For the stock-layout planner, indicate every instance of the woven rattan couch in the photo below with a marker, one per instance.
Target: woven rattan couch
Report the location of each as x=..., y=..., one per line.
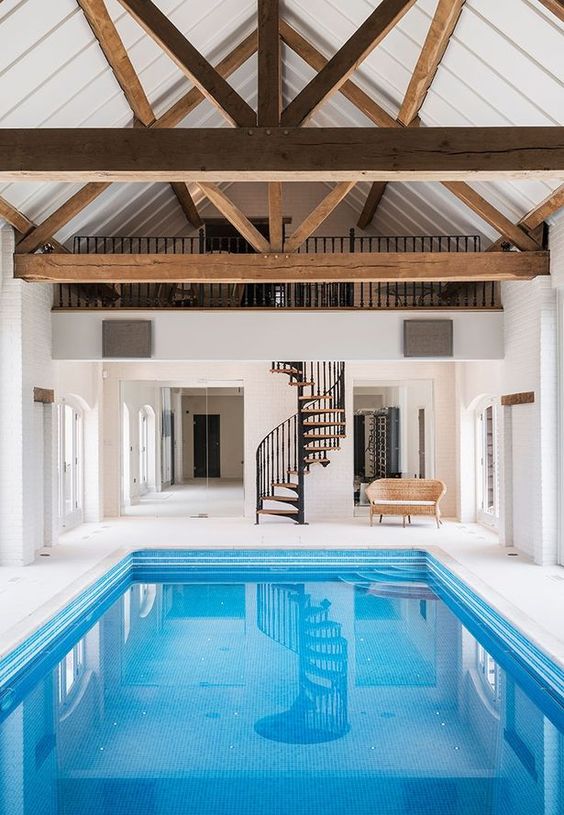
x=405, y=497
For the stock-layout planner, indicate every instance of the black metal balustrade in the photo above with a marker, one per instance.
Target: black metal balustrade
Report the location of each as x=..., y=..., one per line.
x=273, y=296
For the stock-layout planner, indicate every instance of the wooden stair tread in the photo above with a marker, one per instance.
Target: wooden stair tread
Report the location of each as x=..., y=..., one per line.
x=277, y=511
x=303, y=385
x=317, y=460
x=321, y=410
x=286, y=486
x=319, y=436
x=291, y=371
x=295, y=472
x=324, y=424
x=315, y=398
x=283, y=498
x=319, y=449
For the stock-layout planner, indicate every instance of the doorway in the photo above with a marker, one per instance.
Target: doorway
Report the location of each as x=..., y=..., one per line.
x=207, y=445
x=69, y=465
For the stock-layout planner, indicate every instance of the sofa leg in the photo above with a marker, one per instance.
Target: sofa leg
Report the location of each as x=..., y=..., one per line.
x=438, y=521
x=404, y=521
x=409, y=518
x=380, y=521
x=370, y=516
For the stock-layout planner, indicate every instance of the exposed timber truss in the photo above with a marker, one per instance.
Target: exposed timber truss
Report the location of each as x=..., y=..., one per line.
x=271, y=144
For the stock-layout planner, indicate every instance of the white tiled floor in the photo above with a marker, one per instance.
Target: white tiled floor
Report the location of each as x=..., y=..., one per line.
x=217, y=498
x=536, y=592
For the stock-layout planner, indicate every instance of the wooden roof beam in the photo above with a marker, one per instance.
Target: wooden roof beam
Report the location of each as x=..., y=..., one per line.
x=275, y=216
x=112, y=46
x=438, y=37
x=345, y=61
x=214, y=87
x=556, y=7
x=188, y=102
x=281, y=154
x=269, y=66
x=235, y=217
x=187, y=204
x=304, y=267
x=318, y=215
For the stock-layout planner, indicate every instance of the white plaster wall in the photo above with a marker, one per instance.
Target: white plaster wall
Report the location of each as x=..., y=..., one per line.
x=248, y=335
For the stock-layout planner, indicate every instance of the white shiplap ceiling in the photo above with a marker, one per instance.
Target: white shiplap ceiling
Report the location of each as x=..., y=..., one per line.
x=504, y=66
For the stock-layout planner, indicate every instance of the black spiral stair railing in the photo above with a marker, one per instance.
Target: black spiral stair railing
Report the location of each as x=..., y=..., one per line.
x=308, y=437
x=319, y=713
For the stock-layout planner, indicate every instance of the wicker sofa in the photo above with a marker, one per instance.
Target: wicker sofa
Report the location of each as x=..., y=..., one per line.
x=405, y=497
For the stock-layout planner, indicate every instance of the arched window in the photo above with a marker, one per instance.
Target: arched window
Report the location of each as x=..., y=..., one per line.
x=143, y=451
x=70, y=465
x=487, y=460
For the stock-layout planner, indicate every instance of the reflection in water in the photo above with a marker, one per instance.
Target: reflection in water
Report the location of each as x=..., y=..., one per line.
x=359, y=697
x=285, y=613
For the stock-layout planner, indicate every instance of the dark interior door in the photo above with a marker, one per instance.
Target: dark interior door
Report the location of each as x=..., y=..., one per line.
x=206, y=446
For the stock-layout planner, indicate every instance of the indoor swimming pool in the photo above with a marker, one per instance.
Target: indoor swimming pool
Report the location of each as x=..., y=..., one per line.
x=200, y=683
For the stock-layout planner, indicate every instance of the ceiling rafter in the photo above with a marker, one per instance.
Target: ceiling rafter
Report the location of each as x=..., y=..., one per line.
x=555, y=6
x=163, y=31
x=87, y=194
x=438, y=37
x=114, y=51
x=345, y=61
x=235, y=216
x=380, y=117
x=536, y=216
x=319, y=214
x=22, y=223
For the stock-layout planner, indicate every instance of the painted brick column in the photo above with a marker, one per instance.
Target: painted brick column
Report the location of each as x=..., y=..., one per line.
x=26, y=492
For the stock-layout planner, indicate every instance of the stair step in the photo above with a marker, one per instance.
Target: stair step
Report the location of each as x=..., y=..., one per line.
x=287, y=499
x=316, y=436
x=294, y=472
x=321, y=410
x=313, y=449
x=286, y=486
x=324, y=396
x=291, y=371
x=277, y=512
x=324, y=424
x=317, y=460
x=320, y=625
x=303, y=385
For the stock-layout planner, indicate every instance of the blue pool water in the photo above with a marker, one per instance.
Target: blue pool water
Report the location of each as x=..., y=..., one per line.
x=344, y=686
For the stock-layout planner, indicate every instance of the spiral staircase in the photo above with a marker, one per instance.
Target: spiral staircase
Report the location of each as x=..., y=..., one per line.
x=309, y=437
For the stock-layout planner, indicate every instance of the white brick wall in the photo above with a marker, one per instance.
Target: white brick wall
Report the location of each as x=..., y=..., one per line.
x=26, y=429
x=530, y=364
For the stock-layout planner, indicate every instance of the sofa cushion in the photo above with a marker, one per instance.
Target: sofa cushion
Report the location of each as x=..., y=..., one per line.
x=400, y=502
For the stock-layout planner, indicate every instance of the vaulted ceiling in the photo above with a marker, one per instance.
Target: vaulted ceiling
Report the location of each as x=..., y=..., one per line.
x=504, y=65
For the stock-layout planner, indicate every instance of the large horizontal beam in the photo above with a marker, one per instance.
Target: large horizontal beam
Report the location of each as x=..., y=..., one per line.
x=281, y=154
x=282, y=267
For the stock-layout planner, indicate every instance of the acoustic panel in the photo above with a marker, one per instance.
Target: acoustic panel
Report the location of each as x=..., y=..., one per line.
x=427, y=338
x=126, y=339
